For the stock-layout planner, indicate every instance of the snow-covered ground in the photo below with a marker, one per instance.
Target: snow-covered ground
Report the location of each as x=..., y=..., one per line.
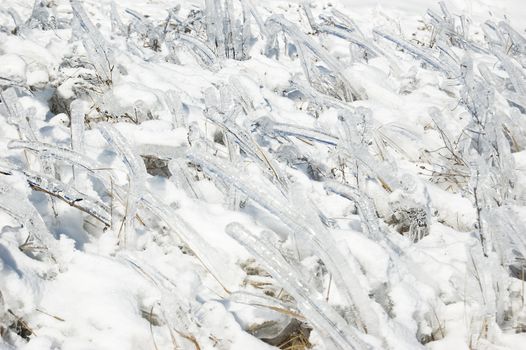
x=236, y=174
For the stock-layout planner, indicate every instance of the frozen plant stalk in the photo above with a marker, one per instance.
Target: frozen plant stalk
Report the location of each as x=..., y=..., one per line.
x=95, y=45
x=308, y=300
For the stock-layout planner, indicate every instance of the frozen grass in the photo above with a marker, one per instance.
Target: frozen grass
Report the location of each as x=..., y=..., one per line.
x=233, y=175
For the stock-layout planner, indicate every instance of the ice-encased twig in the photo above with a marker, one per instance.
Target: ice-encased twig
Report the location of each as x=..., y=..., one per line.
x=315, y=96
x=54, y=153
x=308, y=300
x=351, y=37
x=116, y=23
x=346, y=21
x=173, y=102
x=15, y=16
x=308, y=43
x=17, y=115
x=254, y=12
x=516, y=75
x=205, y=253
x=77, y=126
x=77, y=136
x=177, y=311
x=40, y=17
x=306, y=8
x=152, y=35
x=136, y=170
x=200, y=49
x=132, y=162
x=71, y=196
x=19, y=207
x=95, y=44
x=248, y=145
x=380, y=169
x=182, y=178
x=349, y=31
x=284, y=129
x=447, y=32
x=507, y=237
x=48, y=150
x=493, y=35
x=266, y=302
x=237, y=89
x=214, y=26
x=518, y=40
x=419, y=53
x=367, y=212
x=317, y=236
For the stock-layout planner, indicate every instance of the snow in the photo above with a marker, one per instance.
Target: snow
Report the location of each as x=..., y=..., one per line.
x=167, y=185
x=13, y=68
